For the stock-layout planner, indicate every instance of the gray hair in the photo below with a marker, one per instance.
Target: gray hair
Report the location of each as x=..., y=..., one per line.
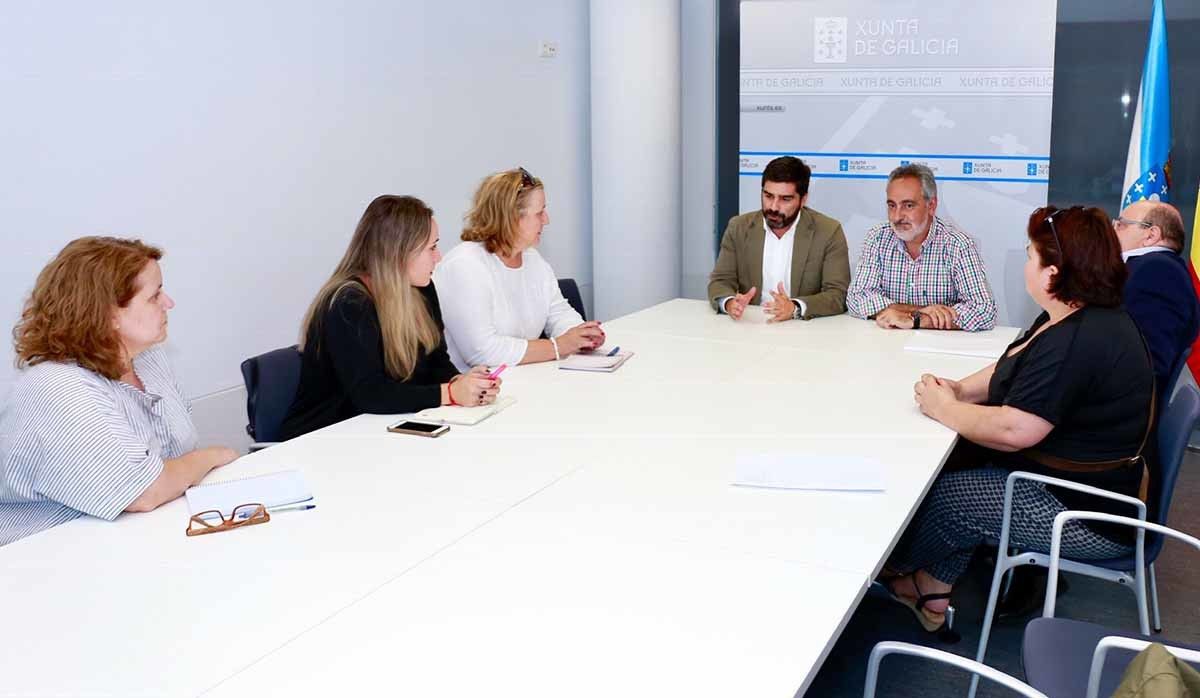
x=921, y=172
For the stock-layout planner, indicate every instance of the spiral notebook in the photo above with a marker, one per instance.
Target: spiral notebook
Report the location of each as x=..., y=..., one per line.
x=274, y=490
x=597, y=362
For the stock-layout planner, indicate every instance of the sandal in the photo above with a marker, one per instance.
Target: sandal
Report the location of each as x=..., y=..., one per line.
x=918, y=608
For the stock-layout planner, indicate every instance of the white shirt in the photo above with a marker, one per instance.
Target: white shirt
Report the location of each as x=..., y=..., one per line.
x=491, y=311
x=776, y=264
x=1139, y=251
x=777, y=258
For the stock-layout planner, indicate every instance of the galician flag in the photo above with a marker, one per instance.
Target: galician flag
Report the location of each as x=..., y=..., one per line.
x=1146, y=169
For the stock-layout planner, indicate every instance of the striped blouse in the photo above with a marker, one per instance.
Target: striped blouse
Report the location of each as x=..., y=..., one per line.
x=74, y=443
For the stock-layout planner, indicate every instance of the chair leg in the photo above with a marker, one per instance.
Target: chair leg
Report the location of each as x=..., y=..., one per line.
x=1003, y=565
x=1139, y=593
x=1154, y=611
x=1007, y=587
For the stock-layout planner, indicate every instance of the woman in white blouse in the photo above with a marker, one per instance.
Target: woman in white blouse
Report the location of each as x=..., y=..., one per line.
x=498, y=295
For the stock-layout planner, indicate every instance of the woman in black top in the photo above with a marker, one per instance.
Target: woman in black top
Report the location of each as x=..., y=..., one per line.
x=373, y=339
x=1075, y=387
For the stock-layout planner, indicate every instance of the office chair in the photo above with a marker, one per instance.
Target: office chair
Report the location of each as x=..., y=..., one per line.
x=271, y=382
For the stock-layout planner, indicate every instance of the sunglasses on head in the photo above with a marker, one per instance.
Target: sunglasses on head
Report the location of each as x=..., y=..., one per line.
x=1060, y=213
x=526, y=181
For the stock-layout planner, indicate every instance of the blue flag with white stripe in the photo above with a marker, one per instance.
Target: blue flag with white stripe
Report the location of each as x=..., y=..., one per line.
x=1146, y=169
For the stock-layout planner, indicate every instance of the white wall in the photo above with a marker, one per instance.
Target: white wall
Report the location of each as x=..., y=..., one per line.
x=246, y=139
x=635, y=132
x=698, y=80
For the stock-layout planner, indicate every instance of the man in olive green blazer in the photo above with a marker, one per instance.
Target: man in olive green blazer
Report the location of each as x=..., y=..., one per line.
x=801, y=271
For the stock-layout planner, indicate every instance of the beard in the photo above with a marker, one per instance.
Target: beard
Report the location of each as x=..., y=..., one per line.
x=912, y=230
x=776, y=219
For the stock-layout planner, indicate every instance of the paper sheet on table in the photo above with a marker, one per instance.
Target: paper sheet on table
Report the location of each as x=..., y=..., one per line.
x=798, y=471
x=989, y=344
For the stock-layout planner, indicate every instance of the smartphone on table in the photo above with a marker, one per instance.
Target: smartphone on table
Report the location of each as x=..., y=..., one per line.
x=418, y=428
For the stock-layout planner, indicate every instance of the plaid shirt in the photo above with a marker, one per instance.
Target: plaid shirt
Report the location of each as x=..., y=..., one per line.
x=948, y=271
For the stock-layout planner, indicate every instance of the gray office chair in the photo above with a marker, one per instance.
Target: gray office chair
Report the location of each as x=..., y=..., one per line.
x=1130, y=571
x=1064, y=657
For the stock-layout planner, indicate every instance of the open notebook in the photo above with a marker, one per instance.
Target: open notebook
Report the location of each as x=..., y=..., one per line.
x=467, y=416
x=596, y=361
x=273, y=490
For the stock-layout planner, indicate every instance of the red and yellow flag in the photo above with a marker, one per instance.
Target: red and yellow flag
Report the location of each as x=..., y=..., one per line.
x=1193, y=267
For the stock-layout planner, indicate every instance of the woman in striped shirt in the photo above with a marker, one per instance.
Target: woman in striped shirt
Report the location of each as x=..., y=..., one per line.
x=96, y=423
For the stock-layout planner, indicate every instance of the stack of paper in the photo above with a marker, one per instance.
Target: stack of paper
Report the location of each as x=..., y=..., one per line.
x=989, y=344
x=799, y=471
x=596, y=361
x=274, y=491
x=466, y=416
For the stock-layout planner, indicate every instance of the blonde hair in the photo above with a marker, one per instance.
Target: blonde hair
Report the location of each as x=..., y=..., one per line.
x=391, y=230
x=496, y=207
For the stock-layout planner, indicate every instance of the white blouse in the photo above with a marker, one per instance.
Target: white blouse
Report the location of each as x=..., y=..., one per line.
x=491, y=312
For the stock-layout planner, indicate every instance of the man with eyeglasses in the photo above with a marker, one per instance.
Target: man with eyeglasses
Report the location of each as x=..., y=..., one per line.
x=788, y=257
x=918, y=271
x=1158, y=292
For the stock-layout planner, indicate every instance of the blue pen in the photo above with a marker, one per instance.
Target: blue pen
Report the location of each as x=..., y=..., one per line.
x=614, y=351
x=299, y=506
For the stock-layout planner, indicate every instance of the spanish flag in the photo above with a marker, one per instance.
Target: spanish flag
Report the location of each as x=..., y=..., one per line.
x=1193, y=266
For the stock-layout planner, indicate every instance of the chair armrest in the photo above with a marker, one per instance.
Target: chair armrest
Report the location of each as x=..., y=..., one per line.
x=1071, y=485
x=1061, y=519
x=1016, y=475
x=883, y=649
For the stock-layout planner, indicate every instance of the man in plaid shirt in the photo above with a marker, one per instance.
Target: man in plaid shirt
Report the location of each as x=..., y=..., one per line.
x=918, y=271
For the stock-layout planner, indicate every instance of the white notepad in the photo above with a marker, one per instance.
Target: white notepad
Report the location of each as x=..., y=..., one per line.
x=594, y=362
x=989, y=344
x=273, y=490
x=466, y=416
x=798, y=471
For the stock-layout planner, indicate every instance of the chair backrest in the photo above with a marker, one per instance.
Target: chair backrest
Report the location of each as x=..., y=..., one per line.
x=1176, y=370
x=570, y=291
x=271, y=382
x=1174, y=429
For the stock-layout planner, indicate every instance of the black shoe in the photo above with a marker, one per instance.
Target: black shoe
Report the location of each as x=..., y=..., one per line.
x=1027, y=593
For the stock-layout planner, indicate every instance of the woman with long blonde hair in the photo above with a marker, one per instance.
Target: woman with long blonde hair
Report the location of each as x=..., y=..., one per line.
x=372, y=339
x=500, y=295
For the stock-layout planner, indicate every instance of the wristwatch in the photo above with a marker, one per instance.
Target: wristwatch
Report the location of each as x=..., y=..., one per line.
x=916, y=318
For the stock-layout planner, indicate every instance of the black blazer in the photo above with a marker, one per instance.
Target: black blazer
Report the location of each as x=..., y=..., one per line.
x=1160, y=298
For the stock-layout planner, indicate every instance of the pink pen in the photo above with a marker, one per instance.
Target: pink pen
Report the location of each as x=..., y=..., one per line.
x=497, y=372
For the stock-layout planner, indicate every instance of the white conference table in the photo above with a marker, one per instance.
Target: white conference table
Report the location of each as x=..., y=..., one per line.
x=587, y=540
